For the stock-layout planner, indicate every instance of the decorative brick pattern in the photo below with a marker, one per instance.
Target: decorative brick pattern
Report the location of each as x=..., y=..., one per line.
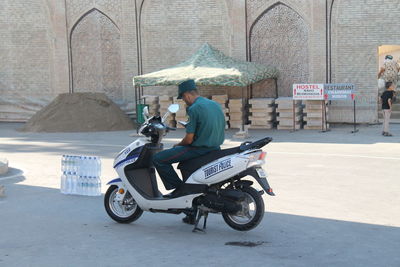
x=255, y=7
x=96, y=56
x=76, y=8
x=280, y=38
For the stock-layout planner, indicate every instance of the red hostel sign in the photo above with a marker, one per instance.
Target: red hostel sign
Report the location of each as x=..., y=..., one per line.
x=308, y=91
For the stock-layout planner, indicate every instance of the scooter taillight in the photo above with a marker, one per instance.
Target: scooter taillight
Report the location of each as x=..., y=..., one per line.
x=256, y=156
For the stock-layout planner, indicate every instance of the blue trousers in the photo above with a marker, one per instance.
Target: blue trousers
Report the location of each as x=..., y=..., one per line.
x=164, y=159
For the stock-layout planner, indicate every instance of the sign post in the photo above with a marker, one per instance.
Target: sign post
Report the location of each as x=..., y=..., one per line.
x=310, y=92
x=342, y=91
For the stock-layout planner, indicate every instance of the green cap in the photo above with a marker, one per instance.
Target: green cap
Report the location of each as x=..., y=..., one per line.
x=186, y=86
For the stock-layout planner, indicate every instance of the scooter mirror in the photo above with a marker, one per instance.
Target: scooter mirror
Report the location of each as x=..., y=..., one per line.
x=173, y=108
x=145, y=112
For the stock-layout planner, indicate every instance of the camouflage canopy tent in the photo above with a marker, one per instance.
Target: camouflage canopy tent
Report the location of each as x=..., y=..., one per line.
x=208, y=66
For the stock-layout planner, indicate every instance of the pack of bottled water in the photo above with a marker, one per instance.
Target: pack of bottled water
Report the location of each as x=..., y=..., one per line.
x=81, y=175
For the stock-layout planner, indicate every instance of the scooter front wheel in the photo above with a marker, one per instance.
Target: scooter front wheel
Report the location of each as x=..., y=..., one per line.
x=125, y=211
x=251, y=213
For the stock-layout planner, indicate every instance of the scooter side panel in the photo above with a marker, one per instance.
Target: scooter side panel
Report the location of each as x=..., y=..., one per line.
x=183, y=202
x=219, y=170
x=122, y=155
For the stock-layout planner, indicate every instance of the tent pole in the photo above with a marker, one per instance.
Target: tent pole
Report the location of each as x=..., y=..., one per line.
x=136, y=108
x=243, y=103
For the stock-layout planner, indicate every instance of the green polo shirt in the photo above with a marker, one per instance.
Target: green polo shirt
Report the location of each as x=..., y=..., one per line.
x=207, y=122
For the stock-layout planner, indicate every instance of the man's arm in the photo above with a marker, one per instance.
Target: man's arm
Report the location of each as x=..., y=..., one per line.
x=187, y=140
x=390, y=103
x=380, y=72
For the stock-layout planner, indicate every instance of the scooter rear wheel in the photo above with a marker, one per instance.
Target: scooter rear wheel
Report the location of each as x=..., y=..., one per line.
x=251, y=213
x=125, y=211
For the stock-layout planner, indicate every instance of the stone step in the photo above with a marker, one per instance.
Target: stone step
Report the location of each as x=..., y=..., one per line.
x=265, y=127
x=319, y=127
x=263, y=110
x=297, y=127
x=261, y=101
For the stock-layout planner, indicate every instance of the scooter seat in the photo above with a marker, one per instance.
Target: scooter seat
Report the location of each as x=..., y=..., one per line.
x=188, y=167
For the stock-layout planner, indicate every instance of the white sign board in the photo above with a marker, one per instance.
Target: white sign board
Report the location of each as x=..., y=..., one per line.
x=308, y=91
x=339, y=91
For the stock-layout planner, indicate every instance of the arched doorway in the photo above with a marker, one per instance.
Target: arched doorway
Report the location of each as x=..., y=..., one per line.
x=96, y=55
x=280, y=37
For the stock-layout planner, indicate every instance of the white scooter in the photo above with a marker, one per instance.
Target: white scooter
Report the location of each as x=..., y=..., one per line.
x=212, y=183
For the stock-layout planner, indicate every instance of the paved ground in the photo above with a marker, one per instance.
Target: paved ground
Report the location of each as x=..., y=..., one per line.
x=337, y=204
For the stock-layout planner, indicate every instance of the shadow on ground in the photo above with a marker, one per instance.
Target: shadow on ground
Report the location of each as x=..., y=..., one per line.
x=12, y=176
x=76, y=231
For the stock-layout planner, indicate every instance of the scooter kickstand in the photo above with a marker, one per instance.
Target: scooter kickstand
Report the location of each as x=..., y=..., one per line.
x=205, y=220
x=196, y=228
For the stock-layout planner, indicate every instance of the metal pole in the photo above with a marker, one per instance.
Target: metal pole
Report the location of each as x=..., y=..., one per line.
x=322, y=114
x=326, y=117
x=354, y=113
x=243, y=103
x=294, y=116
x=137, y=39
x=330, y=41
x=68, y=49
x=326, y=42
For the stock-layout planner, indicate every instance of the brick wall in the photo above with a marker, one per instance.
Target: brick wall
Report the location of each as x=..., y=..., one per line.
x=34, y=45
x=358, y=31
x=30, y=55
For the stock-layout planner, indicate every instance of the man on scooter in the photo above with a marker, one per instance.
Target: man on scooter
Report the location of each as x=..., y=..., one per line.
x=205, y=132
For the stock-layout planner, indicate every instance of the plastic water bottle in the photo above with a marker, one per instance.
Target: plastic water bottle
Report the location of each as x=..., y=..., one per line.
x=98, y=163
x=94, y=167
x=90, y=166
x=90, y=186
x=82, y=185
x=78, y=184
x=63, y=163
x=74, y=182
x=98, y=186
x=67, y=163
x=68, y=184
x=81, y=175
x=63, y=187
x=80, y=163
x=74, y=166
x=84, y=166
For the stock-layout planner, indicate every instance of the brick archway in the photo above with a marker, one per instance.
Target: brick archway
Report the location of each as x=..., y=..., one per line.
x=96, y=55
x=280, y=37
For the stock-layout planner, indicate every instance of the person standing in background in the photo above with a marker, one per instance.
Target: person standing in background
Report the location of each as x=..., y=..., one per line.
x=389, y=71
x=387, y=98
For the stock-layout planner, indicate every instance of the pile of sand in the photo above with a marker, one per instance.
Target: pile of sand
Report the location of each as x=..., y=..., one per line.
x=79, y=112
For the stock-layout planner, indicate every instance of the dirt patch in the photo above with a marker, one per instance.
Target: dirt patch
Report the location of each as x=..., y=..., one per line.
x=79, y=112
